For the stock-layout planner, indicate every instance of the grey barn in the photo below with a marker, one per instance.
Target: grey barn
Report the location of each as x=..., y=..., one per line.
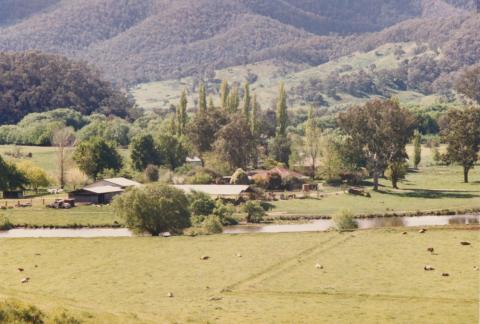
x=103, y=191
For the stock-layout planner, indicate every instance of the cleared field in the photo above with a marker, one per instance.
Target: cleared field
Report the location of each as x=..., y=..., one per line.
x=367, y=276
x=44, y=157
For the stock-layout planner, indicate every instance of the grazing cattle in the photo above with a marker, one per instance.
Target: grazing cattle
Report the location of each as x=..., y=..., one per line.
x=25, y=280
x=205, y=257
x=422, y=231
x=431, y=250
x=465, y=243
x=445, y=274
x=21, y=269
x=319, y=266
x=428, y=268
x=170, y=295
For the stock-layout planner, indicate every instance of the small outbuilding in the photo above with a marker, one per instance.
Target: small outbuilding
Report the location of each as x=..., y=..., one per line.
x=195, y=161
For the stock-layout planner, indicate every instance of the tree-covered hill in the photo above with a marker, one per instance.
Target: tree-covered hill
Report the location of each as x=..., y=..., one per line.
x=135, y=41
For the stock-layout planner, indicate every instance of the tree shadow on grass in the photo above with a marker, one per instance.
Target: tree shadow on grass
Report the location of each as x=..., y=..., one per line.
x=432, y=194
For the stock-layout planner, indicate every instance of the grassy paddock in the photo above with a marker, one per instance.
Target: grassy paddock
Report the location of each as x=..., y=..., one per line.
x=367, y=276
x=427, y=189
x=83, y=216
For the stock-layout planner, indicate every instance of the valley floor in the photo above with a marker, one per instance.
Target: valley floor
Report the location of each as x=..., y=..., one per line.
x=367, y=276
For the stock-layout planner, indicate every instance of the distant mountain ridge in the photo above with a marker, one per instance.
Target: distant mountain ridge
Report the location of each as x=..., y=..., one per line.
x=135, y=41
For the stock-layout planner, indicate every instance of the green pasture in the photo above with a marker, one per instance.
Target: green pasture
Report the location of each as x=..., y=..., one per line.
x=374, y=276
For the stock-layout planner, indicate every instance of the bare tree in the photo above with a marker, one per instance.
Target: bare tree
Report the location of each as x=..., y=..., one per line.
x=63, y=139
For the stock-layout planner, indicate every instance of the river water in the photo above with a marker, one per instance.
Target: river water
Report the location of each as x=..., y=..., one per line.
x=314, y=226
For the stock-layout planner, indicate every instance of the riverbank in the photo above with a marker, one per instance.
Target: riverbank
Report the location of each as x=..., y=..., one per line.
x=365, y=276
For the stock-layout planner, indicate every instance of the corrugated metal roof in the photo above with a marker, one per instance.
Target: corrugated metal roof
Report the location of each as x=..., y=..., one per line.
x=215, y=190
x=123, y=182
x=104, y=189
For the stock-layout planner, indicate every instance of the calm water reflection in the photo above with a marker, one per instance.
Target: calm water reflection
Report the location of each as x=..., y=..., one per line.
x=324, y=224
x=315, y=226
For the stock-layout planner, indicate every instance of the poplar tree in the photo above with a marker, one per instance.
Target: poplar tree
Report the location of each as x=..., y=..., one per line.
x=233, y=101
x=246, y=102
x=254, y=129
x=282, y=118
x=224, y=94
x=312, y=140
x=182, y=114
x=417, y=146
x=254, y=117
x=211, y=105
x=202, y=100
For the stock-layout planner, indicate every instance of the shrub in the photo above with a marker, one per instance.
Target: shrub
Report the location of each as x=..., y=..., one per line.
x=255, y=211
x=201, y=204
x=292, y=183
x=275, y=181
x=199, y=178
x=5, y=224
x=152, y=173
x=261, y=180
x=225, y=213
x=212, y=225
x=64, y=318
x=345, y=221
x=240, y=177
x=12, y=312
x=154, y=209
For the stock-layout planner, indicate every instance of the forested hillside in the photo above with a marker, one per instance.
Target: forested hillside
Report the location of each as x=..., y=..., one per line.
x=33, y=82
x=135, y=41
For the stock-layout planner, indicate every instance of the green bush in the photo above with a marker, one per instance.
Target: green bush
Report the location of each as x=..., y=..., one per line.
x=154, y=209
x=255, y=211
x=199, y=178
x=13, y=312
x=5, y=224
x=212, y=225
x=201, y=204
x=152, y=173
x=225, y=213
x=345, y=221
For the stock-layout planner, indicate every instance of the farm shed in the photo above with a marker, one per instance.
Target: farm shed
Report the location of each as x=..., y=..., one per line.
x=195, y=161
x=115, y=182
x=221, y=191
x=95, y=195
